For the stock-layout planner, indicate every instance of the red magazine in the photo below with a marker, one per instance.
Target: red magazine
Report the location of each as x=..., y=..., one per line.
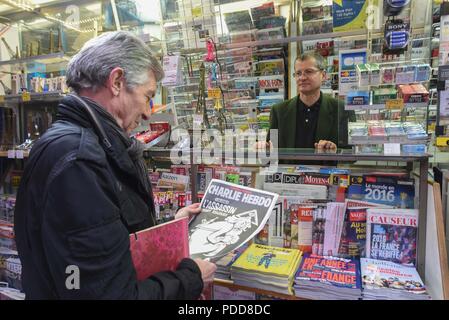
x=159, y=248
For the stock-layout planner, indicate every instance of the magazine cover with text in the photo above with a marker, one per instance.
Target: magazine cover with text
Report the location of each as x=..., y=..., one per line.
x=231, y=215
x=353, y=238
x=391, y=234
x=379, y=274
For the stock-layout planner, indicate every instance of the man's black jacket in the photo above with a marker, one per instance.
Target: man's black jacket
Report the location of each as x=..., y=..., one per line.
x=76, y=206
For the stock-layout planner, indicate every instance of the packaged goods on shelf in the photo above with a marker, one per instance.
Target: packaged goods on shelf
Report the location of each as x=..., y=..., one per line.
x=386, y=131
x=363, y=75
x=394, y=129
x=388, y=74
x=413, y=93
x=405, y=74
x=381, y=95
x=414, y=148
x=358, y=129
x=358, y=98
x=422, y=72
x=374, y=74
x=369, y=149
x=415, y=131
x=376, y=129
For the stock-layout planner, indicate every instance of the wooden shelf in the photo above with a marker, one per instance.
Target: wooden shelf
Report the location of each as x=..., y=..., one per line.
x=51, y=58
x=4, y=154
x=229, y=284
x=35, y=96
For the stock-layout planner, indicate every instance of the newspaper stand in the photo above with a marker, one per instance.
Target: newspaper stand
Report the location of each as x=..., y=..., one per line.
x=411, y=161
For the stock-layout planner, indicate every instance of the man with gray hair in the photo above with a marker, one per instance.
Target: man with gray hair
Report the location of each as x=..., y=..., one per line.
x=85, y=187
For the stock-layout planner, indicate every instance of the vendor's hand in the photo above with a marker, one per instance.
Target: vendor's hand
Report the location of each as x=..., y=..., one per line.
x=188, y=211
x=324, y=144
x=207, y=270
x=263, y=145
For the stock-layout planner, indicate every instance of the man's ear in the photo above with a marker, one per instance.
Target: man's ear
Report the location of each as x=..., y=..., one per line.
x=323, y=75
x=116, y=81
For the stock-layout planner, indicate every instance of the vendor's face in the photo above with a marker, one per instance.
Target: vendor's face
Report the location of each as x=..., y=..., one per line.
x=135, y=103
x=308, y=77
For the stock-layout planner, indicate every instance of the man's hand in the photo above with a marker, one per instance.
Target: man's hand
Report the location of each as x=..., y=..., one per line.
x=324, y=144
x=207, y=270
x=188, y=211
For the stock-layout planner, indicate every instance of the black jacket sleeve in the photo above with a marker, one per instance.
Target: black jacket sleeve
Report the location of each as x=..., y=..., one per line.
x=82, y=229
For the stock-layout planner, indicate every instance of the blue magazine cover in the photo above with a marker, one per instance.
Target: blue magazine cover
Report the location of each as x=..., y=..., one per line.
x=391, y=191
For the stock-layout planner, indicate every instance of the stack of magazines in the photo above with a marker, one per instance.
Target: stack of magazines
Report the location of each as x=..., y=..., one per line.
x=268, y=268
x=224, y=264
x=386, y=280
x=7, y=293
x=328, y=278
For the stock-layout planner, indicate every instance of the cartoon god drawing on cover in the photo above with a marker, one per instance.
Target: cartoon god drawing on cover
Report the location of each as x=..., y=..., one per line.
x=211, y=237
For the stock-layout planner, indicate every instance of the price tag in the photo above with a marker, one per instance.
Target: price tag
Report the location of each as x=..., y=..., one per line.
x=197, y=12
x=11, y=154
x=394, y=104
x=214, y=93
x=2, y=98
x=26, y=96
x=19, y=154
x=392, y=148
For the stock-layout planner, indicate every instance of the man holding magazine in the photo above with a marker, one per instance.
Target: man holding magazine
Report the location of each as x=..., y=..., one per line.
x=85, y=187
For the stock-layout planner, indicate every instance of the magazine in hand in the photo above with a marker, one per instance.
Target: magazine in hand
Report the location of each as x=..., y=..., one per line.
x=231, y=215
x=159, y=248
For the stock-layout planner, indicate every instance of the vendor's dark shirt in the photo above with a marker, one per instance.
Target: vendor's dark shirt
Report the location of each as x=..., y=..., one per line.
x=307, y=123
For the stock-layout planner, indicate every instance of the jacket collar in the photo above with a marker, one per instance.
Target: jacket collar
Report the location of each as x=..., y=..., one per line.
x=70, y=110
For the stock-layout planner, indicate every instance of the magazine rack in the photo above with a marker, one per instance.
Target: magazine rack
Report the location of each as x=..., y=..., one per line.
x=420, y=162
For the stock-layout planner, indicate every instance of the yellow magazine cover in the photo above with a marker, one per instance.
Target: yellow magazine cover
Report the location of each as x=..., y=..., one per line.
x=269, y=260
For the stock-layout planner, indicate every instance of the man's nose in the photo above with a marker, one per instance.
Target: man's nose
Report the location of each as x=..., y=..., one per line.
x=146, y=113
